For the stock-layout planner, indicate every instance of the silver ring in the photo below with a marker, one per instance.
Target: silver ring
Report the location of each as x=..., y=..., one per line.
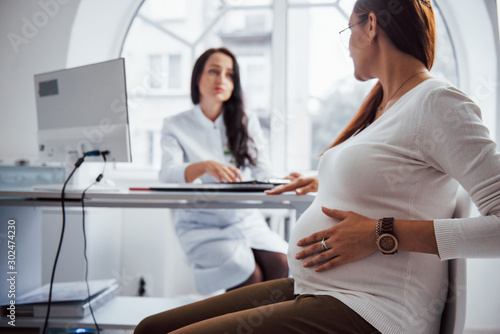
x=323, y=245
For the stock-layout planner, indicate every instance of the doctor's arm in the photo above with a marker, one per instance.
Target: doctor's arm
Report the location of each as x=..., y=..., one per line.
x=220, y=171
x=176, y=169
x=172, y=164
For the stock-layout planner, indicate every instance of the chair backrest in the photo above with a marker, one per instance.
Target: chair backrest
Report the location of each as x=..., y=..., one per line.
x=453, y=317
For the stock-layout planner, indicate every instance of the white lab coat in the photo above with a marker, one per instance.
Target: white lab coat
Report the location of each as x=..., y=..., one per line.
x=217, y=242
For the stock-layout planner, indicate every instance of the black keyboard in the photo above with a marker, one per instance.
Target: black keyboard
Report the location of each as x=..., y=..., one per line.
x=245, y=186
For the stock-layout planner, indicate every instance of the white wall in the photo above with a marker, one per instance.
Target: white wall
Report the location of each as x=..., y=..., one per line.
x=103, y=233
x=99, y=29
x=40, y=32
x=76, y=33
x=151, y=250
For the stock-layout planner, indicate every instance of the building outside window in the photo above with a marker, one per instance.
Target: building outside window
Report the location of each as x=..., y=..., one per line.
x=320, y=94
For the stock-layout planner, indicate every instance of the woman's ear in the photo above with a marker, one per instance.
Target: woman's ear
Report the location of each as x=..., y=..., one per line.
x=372, y=27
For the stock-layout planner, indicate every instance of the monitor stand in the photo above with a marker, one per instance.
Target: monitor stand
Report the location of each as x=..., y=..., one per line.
x=83, y=177
x=77, y=183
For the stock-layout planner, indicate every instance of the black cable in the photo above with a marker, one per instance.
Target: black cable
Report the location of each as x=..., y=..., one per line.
x=86, y=259
x=98, y=179
x=77, y=164
x=63, y=193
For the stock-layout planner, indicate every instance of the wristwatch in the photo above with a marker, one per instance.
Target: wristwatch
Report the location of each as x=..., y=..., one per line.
x=386, y=241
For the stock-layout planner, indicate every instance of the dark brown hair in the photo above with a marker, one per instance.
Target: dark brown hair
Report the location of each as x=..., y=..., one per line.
x=234, y=115
x=410, y=26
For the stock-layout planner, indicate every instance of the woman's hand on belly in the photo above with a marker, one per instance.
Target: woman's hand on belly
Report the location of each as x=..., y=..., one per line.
x=353, y=238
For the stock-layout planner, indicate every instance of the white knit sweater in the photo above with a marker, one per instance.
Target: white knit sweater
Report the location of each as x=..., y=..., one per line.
x=406, y=165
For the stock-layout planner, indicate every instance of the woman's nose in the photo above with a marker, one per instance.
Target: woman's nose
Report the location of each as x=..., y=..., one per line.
x=221, y=78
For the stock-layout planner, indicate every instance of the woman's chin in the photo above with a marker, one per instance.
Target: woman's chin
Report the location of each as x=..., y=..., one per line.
x=361, y=77
x=358, y=76
x=221, y=98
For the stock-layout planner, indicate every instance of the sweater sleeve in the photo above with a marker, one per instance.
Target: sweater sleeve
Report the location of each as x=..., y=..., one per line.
x=172, y=165
x=453, y=139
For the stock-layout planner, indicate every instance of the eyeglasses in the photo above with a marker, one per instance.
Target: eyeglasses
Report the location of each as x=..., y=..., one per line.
x=345, y=34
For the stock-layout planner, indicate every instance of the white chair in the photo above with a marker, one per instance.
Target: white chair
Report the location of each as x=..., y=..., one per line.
x=453, y=317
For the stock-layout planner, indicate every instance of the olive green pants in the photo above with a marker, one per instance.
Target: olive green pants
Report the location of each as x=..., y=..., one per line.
x=267, y=307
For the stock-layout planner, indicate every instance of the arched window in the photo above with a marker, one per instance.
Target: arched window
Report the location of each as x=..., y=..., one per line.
x=295, y=73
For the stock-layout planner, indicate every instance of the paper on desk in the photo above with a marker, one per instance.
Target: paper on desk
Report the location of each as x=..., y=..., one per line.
x=66, y=291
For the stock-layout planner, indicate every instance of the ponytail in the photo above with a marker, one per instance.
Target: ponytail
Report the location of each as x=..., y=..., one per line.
x=412, y=31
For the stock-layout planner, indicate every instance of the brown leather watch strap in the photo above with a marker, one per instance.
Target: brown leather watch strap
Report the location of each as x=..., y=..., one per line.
x=386, y=226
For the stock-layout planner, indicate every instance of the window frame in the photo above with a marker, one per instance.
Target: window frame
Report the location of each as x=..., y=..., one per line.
x=279, y=84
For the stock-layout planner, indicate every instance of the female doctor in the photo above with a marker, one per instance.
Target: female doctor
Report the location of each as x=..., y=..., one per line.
x=216, y=141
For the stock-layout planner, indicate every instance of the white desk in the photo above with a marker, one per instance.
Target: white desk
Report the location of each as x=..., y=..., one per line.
x=159, y=199
x=122, y=312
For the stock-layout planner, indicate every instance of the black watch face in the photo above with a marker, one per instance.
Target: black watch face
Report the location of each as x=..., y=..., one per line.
x=387, y=243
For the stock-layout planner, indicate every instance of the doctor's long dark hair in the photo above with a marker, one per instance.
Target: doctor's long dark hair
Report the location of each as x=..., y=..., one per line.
x=235, y=119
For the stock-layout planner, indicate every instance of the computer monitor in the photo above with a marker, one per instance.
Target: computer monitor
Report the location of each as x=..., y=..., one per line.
x=83, y=109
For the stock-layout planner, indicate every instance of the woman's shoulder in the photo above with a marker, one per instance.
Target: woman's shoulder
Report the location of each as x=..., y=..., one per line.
x=180, y=121
x=436, y=87
x=187, y=116
x=430, y=85
x=443, y=93
x=443, y=102
x=437, y=94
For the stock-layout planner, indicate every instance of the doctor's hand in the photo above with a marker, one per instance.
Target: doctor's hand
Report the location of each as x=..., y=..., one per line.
x=300, y=184
x=222, y=172
x=353, y=238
